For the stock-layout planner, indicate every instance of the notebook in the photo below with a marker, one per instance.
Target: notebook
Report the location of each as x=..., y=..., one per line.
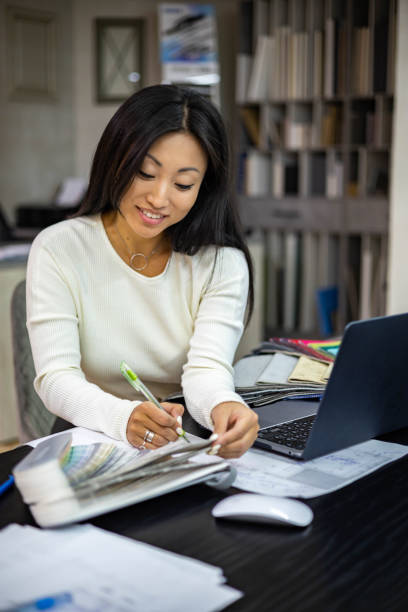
x=366, y=395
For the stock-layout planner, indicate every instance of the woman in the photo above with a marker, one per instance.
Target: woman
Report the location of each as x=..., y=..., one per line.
x=153, y=271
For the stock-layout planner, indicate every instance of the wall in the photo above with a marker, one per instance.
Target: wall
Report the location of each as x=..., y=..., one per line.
x=36, y=144
x=43, y=142
x=397, y=297
x=91, y=118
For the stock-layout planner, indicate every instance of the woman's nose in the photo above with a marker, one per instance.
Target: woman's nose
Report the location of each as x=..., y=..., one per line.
x=157, y=194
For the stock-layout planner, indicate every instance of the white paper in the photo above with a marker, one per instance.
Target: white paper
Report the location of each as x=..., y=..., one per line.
x=104, y=571
x=262, y=472
x=82, y=435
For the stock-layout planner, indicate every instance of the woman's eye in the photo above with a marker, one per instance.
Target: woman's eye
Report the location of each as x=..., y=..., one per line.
x=145, y=175
x=183, y=187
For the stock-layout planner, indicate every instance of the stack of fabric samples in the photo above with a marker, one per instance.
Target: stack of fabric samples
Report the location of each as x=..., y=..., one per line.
x=284, y=368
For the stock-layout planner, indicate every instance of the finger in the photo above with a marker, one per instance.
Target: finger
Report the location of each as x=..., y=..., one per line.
x=138, y=435
x=166, y=433
x=220, y=421
x=162, y=417
x=238, y=448
x=175, y=410
x=146, y=416
x=237, y=428
x=138, y=442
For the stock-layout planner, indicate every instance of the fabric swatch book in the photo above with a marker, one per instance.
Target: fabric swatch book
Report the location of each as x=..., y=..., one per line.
x=63, y=483
x=284, y=368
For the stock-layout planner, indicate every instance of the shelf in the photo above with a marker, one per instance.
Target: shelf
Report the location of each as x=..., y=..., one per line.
x=314, y=130
x=340, y=216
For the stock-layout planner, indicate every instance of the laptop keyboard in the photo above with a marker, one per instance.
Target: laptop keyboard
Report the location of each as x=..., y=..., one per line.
x=293, y=434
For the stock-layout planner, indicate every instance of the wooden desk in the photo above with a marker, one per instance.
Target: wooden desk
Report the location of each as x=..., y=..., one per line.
x=354, y=556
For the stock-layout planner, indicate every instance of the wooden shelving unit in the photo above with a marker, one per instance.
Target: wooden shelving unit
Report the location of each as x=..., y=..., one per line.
x=314, y=103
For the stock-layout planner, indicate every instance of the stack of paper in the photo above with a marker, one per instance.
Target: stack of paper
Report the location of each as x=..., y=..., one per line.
x=283, y=368
x=93, y=570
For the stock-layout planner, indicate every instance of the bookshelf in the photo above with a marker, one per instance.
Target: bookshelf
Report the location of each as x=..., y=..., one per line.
x=314, y=106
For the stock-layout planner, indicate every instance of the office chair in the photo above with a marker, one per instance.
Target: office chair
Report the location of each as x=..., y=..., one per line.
x=34, y=419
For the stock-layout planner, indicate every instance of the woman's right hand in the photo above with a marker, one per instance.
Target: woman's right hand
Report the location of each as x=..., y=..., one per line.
x=163, y=424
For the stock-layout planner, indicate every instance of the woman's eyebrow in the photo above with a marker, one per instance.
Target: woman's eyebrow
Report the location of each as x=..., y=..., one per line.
x=187, y=169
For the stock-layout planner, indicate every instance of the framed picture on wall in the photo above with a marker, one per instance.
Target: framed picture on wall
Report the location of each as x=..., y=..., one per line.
x=119, y=58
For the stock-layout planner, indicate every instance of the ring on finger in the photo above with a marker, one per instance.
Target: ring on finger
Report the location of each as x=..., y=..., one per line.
x=148, y=437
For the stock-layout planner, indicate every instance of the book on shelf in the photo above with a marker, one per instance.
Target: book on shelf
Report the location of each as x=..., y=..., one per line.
x=308, y=282
x=334, y=175
x=341, y=83
x=298, y=126
x=317, y=88
x=328, y=259
x=250, y=119
x=329, y=58
x=331, y=125
x=258, y=79
x=243, y=72
x=353, y=276
x=63, y=484
x=285, y=173
x=274, y=279
x=366, y=278
x=318, y=173
x=271, y=126
x=372, y=273
x=304, y=174
x=257, y=173
x=291, y=280
x=361, y=82
x=277, y=174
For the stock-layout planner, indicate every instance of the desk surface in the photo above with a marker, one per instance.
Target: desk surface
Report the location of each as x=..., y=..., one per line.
x=354, y=556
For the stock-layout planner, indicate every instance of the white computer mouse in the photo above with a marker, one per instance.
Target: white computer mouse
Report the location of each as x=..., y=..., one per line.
x=264, y=509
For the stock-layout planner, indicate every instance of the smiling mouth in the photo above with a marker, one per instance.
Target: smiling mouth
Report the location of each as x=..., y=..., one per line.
x=150, y=214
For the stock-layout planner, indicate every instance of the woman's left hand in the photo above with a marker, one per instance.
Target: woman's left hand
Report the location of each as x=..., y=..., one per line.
x=236, y=426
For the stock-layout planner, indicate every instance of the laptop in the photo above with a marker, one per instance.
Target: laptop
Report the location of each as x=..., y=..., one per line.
x=366, y=395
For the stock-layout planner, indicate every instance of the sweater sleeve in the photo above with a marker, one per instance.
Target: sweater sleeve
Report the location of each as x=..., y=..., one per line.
x=52, y=321
x=207, y=378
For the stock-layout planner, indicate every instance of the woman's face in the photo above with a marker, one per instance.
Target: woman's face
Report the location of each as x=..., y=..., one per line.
x=167, y=185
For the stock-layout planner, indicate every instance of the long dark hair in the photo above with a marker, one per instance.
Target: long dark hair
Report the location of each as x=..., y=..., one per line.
x=136, y=125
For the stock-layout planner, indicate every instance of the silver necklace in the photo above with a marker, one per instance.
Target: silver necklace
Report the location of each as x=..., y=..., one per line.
x=134, y=257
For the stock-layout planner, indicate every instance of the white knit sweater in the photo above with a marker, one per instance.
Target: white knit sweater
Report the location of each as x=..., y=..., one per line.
x=87, y=311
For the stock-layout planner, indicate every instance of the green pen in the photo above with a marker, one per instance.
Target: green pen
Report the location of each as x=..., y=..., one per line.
x=137, y=384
